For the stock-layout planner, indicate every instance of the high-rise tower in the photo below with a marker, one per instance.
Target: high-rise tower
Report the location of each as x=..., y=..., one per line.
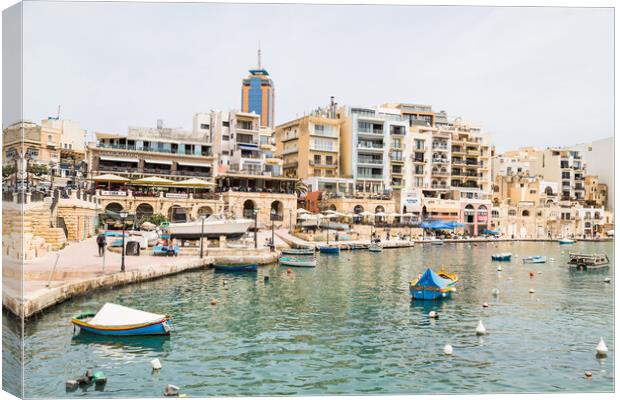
x=257, y=94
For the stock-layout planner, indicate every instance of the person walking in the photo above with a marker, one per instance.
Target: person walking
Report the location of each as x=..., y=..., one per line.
x=101, y=242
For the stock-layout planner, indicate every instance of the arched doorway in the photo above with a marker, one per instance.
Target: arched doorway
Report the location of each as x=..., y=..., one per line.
x=549, y=191
x=177, y=213
x=248, y=209
x=469, y=214
x=114, y=207
x=332, y=207
x=144, y=211
x=525, y=213
x=277, y=210
x=358, y=209
x=379, y=218
x=204, y=212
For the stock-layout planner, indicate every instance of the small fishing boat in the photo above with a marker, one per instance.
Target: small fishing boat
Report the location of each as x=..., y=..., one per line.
x=375, y=247
x=302, y=251
x=329, y=249
x=116, y=320
x=535, y=260
x=235, y=267
x=432, y=286
x=588, y=261
x=566, y=241
x=501, y=257
x=297, y=262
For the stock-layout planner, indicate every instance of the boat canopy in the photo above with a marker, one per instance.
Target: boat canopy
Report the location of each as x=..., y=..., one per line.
x=116, y=315
x=430, y=278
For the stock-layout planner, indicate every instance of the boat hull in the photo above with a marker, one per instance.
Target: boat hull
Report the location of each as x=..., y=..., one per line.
x=158, y=328
x=193, y=230
x=329, y=250
x=566, y=241
x=430, y=294
x=298, y=252
x=501, y=258
x=298, y=263
x=236, y=268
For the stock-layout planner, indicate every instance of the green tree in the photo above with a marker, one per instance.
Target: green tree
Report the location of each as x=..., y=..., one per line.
x=37, y=169
x=157, y=219
x=300, y=188
x=8, y=170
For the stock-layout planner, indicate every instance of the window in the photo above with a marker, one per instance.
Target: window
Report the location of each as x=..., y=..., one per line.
x=32, y=153
x=317, y=159
x=225, y=123
x=11, y=154
x=204, y=126
x=319, y=128
x=532, y=191
x=329, y=160
x=225, y=137
x=323, y=144
x=49, y=138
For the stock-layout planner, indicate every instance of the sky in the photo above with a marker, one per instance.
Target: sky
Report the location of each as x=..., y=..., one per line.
x=529, y=76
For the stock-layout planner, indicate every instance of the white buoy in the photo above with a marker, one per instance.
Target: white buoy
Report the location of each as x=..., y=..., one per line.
x=480, y=329
x=601, y=349
x=607, y=280
x=156, y=364
x=499, y=268
x=538, y=300
x=532, y=290
x=447, y=350
x=539, y=272
x=433, y=314
x=495, y=292
x=171, y=390
x=551, y=259
x=453, y=289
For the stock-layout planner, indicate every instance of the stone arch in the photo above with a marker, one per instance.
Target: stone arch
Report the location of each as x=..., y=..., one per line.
x=248, y=209
x=278, y=207
x=177, y=213
x=548, y=191
x=512, y=213
x=114, y=207
x=597, y=215
x=358, y=209
x=525, y=213
x=205, y=211
x=144, y=210
x=332, y=207
x=379, y=209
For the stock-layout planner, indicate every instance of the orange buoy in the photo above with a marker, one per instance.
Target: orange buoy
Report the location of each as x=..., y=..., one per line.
x=485, y=305
x=213, y=302
x=289, y=271
x=588, y=374
x=531, y=274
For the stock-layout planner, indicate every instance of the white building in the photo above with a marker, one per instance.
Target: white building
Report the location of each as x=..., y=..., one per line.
x=598, y=157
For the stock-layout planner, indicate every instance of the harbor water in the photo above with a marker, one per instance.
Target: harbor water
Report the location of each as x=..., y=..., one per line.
x=348, y=326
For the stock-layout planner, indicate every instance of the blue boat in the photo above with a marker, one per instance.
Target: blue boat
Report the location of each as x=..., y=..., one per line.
x=535, y=260
x=433, y=286
x=566, y=241
x=501, y=257
x=241, y=267
x=329, y=249
x=117, y=320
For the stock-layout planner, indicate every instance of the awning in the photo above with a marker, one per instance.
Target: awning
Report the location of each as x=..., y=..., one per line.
x=153, y=181
x=195, y=182
x=442, y=208
x=119, y=159
x=248, y=147
x=193, y=164
x=163, y=162
x=110, y=178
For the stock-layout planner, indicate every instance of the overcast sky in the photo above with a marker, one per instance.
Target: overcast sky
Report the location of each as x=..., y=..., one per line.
x=531, y=76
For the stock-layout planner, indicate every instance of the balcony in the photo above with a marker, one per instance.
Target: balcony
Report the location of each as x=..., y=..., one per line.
x=290, y=150
x=149, y=149
x=365, y=160
x=440, y=161
x=370, y=147
x=418, y=160
x=370, y=176
x=294, y=164
x=323, y=164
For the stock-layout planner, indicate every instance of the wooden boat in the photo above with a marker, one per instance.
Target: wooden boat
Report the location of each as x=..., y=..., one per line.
x=501, y=257
x=566, y=241
x=297, y=262
x=432, y=286
x=236, y=267
x=304, y=251
x=535, y=260
x=588, y=261
x=116, y=320
x=329, y=249
x=374, y=247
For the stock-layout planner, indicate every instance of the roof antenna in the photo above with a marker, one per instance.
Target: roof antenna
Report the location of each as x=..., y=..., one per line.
x=259, y=63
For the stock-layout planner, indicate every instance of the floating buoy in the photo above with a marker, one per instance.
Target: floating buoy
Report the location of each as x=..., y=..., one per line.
x=171, y=390
x=480, y=329
x=266, y=278
x=447, y=350
x=100, y=378
x=289, y=271
x=601, y=349
x=225, y=282
x=156, y=364
x=89, y=374
x=588, y=374
x=539, y=272
x=485, y=305
x=499, y=268
x=552, y=259
x=495, y=291
x=531, y=274
x=433, y=314
x=532, y=290
x=71, y=385
x=607, y=280
x=213, y=302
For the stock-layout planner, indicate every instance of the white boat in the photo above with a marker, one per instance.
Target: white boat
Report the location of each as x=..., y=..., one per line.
x=297, y=262
x=215, y=226
x=374, y=247
x=432, y=240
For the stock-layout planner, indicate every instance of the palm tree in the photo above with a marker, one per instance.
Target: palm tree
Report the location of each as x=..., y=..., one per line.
x=300, y=188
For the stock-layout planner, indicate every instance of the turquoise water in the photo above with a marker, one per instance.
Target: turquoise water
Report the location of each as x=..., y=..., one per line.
x=347, y=327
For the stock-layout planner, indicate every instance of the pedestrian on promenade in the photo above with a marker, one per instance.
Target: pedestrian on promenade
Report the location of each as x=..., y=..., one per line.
x=101, y=242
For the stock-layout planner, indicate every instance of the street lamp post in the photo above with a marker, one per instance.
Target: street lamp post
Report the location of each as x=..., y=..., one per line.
x=123, y=215
x=290, y=221
x=255, y=212
x=202, y=233
x=273, y=217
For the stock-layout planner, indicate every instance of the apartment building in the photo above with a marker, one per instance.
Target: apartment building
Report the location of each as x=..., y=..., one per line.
x=564, y=166
x=596, y=192
x=598, y=156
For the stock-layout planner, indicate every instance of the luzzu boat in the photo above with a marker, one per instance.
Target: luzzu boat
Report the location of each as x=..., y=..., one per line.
x=374, y=247
x=535, y=260
x=116, y=320
x=501, y=257
x=303, y=251
x=329, y=249
x=432, y=286
x=236, y=267
x=297, y=262
x=566, y=241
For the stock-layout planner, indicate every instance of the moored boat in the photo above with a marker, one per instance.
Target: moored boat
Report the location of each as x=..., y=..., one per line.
x=501, y=257
x=329, y=249
x=235, y=267
x=432, y=285
x=116, y=320
x=297, y=262
x=375, y=247
x=213, y=227
x=566, y=241
x=302, y=251
x=535, y=260
x=588, y=261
